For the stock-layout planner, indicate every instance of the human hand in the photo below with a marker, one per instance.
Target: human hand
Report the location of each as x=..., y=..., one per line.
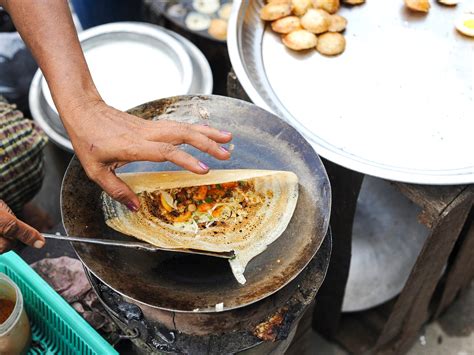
x=105, y=138
x=12, y=229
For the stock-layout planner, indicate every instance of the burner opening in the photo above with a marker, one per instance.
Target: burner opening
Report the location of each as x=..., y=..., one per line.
x=196, y=270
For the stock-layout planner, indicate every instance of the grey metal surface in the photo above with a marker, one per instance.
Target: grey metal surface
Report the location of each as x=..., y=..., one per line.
x=195, y=77
x=386, y=240
x=397, y=104
x=131, y=244
x=195, y=282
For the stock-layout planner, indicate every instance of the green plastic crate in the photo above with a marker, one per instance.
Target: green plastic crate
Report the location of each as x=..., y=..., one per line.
x=56, y=327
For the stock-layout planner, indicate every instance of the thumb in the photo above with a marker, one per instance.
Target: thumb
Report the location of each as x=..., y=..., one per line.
x=12, y=228
x=118, y=190
x=29, y=236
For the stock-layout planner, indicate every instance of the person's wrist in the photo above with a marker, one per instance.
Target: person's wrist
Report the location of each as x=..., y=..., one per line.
x=74, y=104
x=78, y=116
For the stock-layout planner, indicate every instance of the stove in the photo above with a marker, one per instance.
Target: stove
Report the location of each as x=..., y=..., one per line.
x=264, y=327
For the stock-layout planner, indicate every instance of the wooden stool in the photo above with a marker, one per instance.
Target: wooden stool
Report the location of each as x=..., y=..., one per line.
x=393, y=327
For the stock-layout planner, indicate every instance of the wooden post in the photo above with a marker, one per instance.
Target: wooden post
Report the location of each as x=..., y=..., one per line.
x=461, y=272
x=345, y=186
x=411, y=309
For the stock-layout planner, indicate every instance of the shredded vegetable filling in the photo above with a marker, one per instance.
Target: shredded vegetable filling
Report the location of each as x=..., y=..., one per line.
x=205, y=206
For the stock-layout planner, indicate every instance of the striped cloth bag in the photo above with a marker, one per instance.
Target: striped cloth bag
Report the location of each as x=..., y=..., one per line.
x=21, y=157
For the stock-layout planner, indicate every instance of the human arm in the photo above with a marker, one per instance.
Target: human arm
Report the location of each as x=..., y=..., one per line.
x=103, y=137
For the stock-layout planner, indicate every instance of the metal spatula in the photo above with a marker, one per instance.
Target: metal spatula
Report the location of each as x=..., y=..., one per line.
x=134, y=245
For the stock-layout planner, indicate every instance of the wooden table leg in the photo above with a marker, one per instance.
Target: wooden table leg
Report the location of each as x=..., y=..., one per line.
x=461, y=272
x=411, y=309
x=345, y=185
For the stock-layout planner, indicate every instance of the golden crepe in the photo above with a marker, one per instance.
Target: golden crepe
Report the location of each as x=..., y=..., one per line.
x=240, y=211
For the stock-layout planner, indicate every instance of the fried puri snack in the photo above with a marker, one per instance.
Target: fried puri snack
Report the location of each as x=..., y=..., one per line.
x=337, y=23
x=330, y=6
x=449, y=2
x=218, y=29
x=418, y=5
x=300, y=6
x=288, y=2
x=353, y=2
x=286, y=24
x=300, y=40
x=316, y=21
x=331, y=43
x=271, y=12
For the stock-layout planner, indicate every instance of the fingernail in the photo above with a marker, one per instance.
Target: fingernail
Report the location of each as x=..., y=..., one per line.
x=224, y=149
x=227, y=133
x=131, y=206
x=38, y=244
x=203, y=166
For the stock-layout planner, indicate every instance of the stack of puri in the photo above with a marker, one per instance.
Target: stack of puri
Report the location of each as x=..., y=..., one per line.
x=306, y=24
x=208, y=15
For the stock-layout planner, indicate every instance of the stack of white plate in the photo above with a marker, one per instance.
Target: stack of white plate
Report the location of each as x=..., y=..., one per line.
x=131, y=63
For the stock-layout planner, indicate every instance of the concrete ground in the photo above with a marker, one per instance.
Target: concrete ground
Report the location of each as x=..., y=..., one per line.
x=452, y=334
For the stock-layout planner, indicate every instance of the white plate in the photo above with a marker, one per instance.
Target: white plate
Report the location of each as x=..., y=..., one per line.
x=397, y=104
x=132, y=64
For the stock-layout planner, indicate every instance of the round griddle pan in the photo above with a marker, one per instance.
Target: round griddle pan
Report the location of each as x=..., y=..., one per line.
x=187, y=283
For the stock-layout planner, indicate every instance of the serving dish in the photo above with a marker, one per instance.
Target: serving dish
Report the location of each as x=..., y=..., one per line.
x=397, y=104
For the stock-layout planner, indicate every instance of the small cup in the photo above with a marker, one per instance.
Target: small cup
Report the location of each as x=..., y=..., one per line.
x=15, y=332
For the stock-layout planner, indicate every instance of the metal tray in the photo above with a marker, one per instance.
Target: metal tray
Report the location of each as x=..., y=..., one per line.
x=180, y=55
x=397, y=104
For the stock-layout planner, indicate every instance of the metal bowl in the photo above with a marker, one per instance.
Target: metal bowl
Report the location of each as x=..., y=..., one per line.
x=155, y=55
x=386, y=240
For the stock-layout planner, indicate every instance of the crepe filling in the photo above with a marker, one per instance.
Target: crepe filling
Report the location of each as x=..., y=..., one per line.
x=201, y=207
